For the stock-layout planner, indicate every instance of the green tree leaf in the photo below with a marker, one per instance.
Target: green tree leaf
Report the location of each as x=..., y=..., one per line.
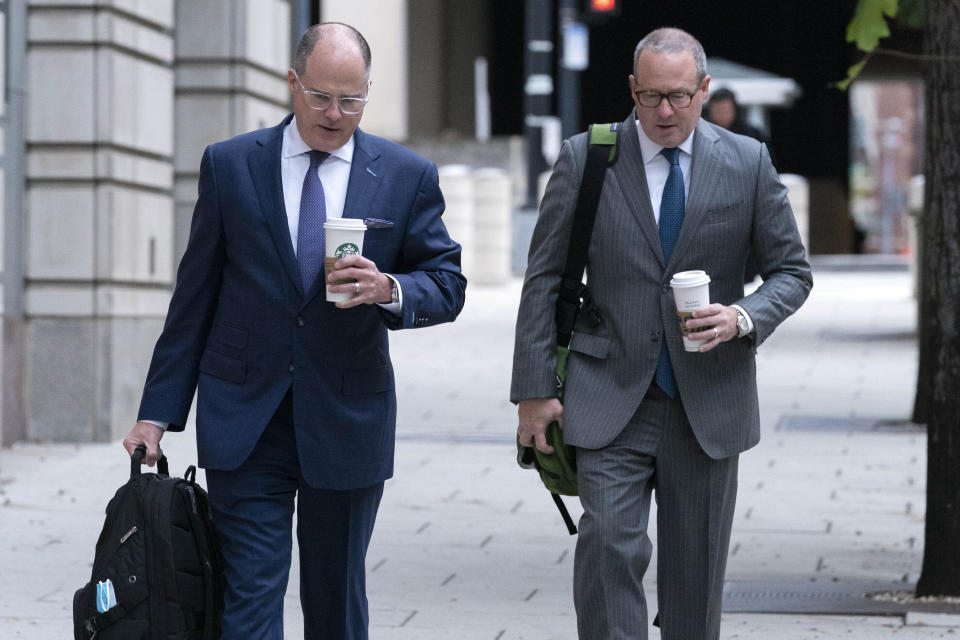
x=852, y=74
x=869, y=24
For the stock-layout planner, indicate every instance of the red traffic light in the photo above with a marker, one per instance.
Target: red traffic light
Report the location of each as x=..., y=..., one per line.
x=603, y=6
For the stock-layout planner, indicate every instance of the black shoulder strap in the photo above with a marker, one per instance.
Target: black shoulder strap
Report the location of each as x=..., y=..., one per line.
x=567, y=520
x=601, y=153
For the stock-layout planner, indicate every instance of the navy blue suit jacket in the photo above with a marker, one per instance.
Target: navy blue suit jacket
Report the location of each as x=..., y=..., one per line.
x=240, y=330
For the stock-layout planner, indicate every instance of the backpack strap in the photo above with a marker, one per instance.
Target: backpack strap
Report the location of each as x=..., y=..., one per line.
x=601, y=153
x=206, y=549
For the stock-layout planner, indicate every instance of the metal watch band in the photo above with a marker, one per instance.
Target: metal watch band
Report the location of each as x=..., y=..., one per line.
x=742, y=325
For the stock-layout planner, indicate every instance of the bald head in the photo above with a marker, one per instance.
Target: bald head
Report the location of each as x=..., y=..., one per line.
x=333, y=33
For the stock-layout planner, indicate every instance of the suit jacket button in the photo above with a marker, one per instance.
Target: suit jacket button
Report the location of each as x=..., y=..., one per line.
x=300, y=322
x=292, y=368
x=654, y=336
x=665, y=288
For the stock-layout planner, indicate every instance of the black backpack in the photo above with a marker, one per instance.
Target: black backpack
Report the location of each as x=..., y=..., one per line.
x=157, y=571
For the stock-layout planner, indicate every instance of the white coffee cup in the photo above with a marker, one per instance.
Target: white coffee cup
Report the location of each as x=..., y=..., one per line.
x=344, y=237
x=691, y=290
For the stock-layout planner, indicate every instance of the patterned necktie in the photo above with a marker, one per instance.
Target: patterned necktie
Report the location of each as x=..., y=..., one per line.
x=671, y=219
x=313, y=213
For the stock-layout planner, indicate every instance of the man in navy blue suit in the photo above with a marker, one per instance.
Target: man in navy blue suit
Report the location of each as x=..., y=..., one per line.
x=296, y=402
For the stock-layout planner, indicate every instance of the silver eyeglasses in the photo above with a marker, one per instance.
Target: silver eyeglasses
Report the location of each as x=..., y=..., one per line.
x=321, y=101
x=677, y=99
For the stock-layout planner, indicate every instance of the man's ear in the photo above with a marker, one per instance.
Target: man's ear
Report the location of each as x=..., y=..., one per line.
x=705, y=86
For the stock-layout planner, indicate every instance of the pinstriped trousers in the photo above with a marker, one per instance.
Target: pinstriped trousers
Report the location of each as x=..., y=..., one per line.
x=655, y=453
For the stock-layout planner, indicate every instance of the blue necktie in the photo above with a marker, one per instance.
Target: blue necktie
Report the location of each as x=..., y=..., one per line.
x=313, y=213
x=671, y=219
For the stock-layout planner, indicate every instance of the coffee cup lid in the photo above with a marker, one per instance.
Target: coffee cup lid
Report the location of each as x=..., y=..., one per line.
x=344, y=223
x=689, y=279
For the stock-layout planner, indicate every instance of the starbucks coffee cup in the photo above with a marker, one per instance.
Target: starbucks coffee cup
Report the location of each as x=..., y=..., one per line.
x=344, y=237
x=691, y=290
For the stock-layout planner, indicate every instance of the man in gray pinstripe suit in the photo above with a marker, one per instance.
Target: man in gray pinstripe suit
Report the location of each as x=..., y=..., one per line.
x=644, y=414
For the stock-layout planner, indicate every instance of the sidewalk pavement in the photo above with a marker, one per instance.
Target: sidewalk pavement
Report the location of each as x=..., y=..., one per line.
x=469, y=546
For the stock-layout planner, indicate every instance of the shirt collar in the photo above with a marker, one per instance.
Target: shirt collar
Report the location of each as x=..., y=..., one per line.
x=650, y=149
x=293, y=144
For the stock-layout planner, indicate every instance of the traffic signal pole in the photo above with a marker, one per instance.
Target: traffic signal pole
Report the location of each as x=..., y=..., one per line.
x=538, y=87
x=569, y=91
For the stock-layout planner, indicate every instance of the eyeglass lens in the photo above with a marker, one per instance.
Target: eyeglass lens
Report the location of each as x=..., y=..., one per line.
x=677, y=99
x=323, y=101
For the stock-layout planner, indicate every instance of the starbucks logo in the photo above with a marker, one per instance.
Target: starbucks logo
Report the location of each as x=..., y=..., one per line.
x=346, y=249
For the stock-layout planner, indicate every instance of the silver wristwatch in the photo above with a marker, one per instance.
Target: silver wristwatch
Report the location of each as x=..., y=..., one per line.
x=742, y=326
x=394, y=293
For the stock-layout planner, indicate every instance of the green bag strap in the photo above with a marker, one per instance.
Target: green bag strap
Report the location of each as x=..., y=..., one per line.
x=601, y=153
x=605, y=134
x=573, y=295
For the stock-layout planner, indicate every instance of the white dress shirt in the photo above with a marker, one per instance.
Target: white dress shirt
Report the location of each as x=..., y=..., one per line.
x=657, y=169
x=334, y=174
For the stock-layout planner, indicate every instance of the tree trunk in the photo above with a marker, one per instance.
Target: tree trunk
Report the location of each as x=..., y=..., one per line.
x=940, y=300
x=924, y=394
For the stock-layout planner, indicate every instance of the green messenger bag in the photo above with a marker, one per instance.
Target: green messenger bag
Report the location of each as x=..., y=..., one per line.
x=558, y=470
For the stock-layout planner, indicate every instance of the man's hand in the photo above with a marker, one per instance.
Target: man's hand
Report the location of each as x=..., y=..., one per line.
x=374, y=287
x=147, y=434
x=712, y=325
x=535, y=414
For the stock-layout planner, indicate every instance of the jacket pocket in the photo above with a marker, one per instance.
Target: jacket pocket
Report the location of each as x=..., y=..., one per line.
x=590, y=345
x=372, y=380
x=723, y=213
x=221, y=366
x=230, y=335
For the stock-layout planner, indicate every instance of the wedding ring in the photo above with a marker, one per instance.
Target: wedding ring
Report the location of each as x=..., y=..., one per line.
x=716, y=334
x=356, y=288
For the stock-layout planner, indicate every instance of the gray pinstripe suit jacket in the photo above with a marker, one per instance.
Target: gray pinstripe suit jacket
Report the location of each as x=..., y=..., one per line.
x=736, y=201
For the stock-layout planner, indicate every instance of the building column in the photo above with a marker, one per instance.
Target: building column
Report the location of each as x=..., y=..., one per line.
x=12, y=50
x=98, y=211
x=232, y=58
x=384, y=25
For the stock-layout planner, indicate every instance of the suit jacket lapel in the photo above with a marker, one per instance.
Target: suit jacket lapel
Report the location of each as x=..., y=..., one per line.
x=365, y=176
x=705, y=171
x=264, y=163
x=632, y=179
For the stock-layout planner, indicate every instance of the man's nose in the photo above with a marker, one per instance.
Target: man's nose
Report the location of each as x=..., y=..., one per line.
x=333, y=111
x=665, y=109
